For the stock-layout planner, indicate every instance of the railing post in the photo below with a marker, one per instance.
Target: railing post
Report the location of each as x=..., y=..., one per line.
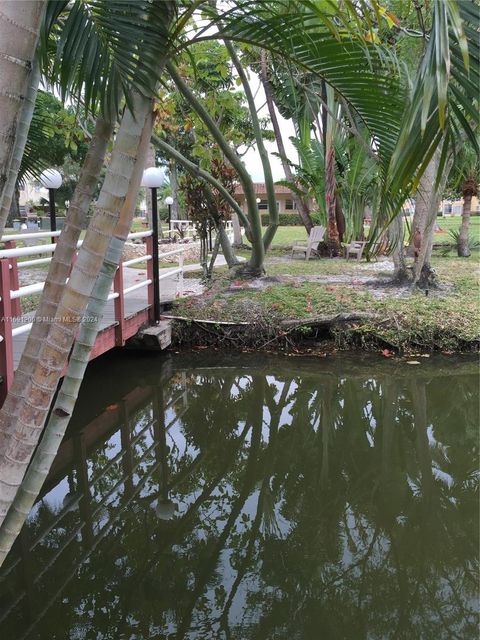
x=119, y=305
x=6, y=343
x=14, y=281
x=150, y=276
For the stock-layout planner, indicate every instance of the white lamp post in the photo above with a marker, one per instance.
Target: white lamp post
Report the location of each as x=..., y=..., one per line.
x=51, y=180
x=153, y=178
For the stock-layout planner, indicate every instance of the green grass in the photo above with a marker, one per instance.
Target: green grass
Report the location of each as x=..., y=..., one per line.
x=447, y=319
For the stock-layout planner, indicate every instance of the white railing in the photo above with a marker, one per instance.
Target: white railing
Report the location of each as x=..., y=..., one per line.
x=19, y=252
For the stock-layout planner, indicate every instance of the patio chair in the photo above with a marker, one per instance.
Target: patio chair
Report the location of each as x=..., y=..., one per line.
x=316, y=236
x=355, y=249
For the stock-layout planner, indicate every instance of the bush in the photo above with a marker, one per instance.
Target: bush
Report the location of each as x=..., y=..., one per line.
x=291, y=219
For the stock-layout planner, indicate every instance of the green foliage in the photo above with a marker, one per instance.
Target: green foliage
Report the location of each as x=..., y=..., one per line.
x=54, y=136
x=204, y=204
x=290, y=219
x=97, y=51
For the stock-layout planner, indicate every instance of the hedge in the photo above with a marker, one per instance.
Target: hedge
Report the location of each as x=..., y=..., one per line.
x=290, y=219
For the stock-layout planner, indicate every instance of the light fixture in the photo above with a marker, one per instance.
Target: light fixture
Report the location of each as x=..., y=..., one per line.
x=153, y=177
x=169, y=201
x=51, y=179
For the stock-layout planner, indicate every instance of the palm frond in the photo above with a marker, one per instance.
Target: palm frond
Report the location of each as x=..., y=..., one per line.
x=102, y=49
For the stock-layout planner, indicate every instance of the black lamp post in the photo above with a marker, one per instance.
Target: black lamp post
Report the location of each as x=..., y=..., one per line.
x=169, y=202
x=51, y=180
x=152, y=179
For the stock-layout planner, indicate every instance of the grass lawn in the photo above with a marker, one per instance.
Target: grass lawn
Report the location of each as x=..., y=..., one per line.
x=447, y=319
x=286, y=236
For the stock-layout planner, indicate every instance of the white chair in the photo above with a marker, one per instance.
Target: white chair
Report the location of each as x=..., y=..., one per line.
x=316, y=236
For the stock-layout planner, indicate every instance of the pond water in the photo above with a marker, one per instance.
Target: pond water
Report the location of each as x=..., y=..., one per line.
x=255, y=498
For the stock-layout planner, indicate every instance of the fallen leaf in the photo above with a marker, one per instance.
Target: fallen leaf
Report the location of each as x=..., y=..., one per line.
x=387, y=353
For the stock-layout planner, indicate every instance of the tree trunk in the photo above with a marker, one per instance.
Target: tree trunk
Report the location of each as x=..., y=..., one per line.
x=60, y=265
x=330, y=197
x=22, y=432
x=197, y=172
x=302, y=207
x=330, y=183
x=149, y=162
x=254, y=267
x=400, y=273
x=14, y=213
x=23, y=127
x=423, y=202
x=237, y=231
x=423, y=274
x=262, y=152
x=340, y=219
x=463, y=249
x=79, y=359
x=19, y=29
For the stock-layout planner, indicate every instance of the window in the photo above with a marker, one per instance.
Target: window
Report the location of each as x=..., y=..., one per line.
x=290, y=205
x=263, y=205
x=447, y=208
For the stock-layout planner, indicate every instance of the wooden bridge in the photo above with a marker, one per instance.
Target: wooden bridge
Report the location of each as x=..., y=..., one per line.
x=129, y=306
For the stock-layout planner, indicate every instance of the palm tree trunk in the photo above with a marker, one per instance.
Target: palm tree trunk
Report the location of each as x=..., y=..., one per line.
x=65, y=402
x=423, y=274
x=400, y=273
x=19, y=30
x=463, y=249
x=20, y=140
x=23, y=431
x=267, y=87
x=60, y=265
x=330, y=189
x=424, y=196
x=59, y=418
x=149, y=162
x=330, y=181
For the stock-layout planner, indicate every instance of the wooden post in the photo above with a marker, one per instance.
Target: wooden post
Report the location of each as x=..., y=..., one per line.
x=119, y=305
x=150, y=276
x=14, y=281
x=6, y=343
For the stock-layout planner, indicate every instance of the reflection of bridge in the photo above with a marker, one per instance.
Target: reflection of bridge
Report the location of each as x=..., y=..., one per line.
x=129, y=304
x=132, y=433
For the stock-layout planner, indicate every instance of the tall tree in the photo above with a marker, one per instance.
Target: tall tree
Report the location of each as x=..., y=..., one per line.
x=19, y=33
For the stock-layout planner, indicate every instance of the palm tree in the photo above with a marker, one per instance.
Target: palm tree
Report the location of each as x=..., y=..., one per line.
x=467, y=170
x=19, y=32
x=347, y=65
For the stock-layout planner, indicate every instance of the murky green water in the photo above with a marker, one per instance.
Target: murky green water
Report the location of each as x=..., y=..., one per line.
x=257, y=498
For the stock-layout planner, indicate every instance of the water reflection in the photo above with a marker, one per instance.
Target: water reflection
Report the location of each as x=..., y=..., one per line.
x=266, y=499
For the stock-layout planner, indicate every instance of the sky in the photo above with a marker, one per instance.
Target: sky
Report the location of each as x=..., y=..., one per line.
x=252, y=158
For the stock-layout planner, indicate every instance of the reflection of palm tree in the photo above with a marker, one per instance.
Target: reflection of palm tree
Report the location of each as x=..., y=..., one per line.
x=265, y=507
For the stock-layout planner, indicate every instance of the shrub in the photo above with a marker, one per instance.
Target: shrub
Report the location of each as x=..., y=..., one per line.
x=291, y=219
